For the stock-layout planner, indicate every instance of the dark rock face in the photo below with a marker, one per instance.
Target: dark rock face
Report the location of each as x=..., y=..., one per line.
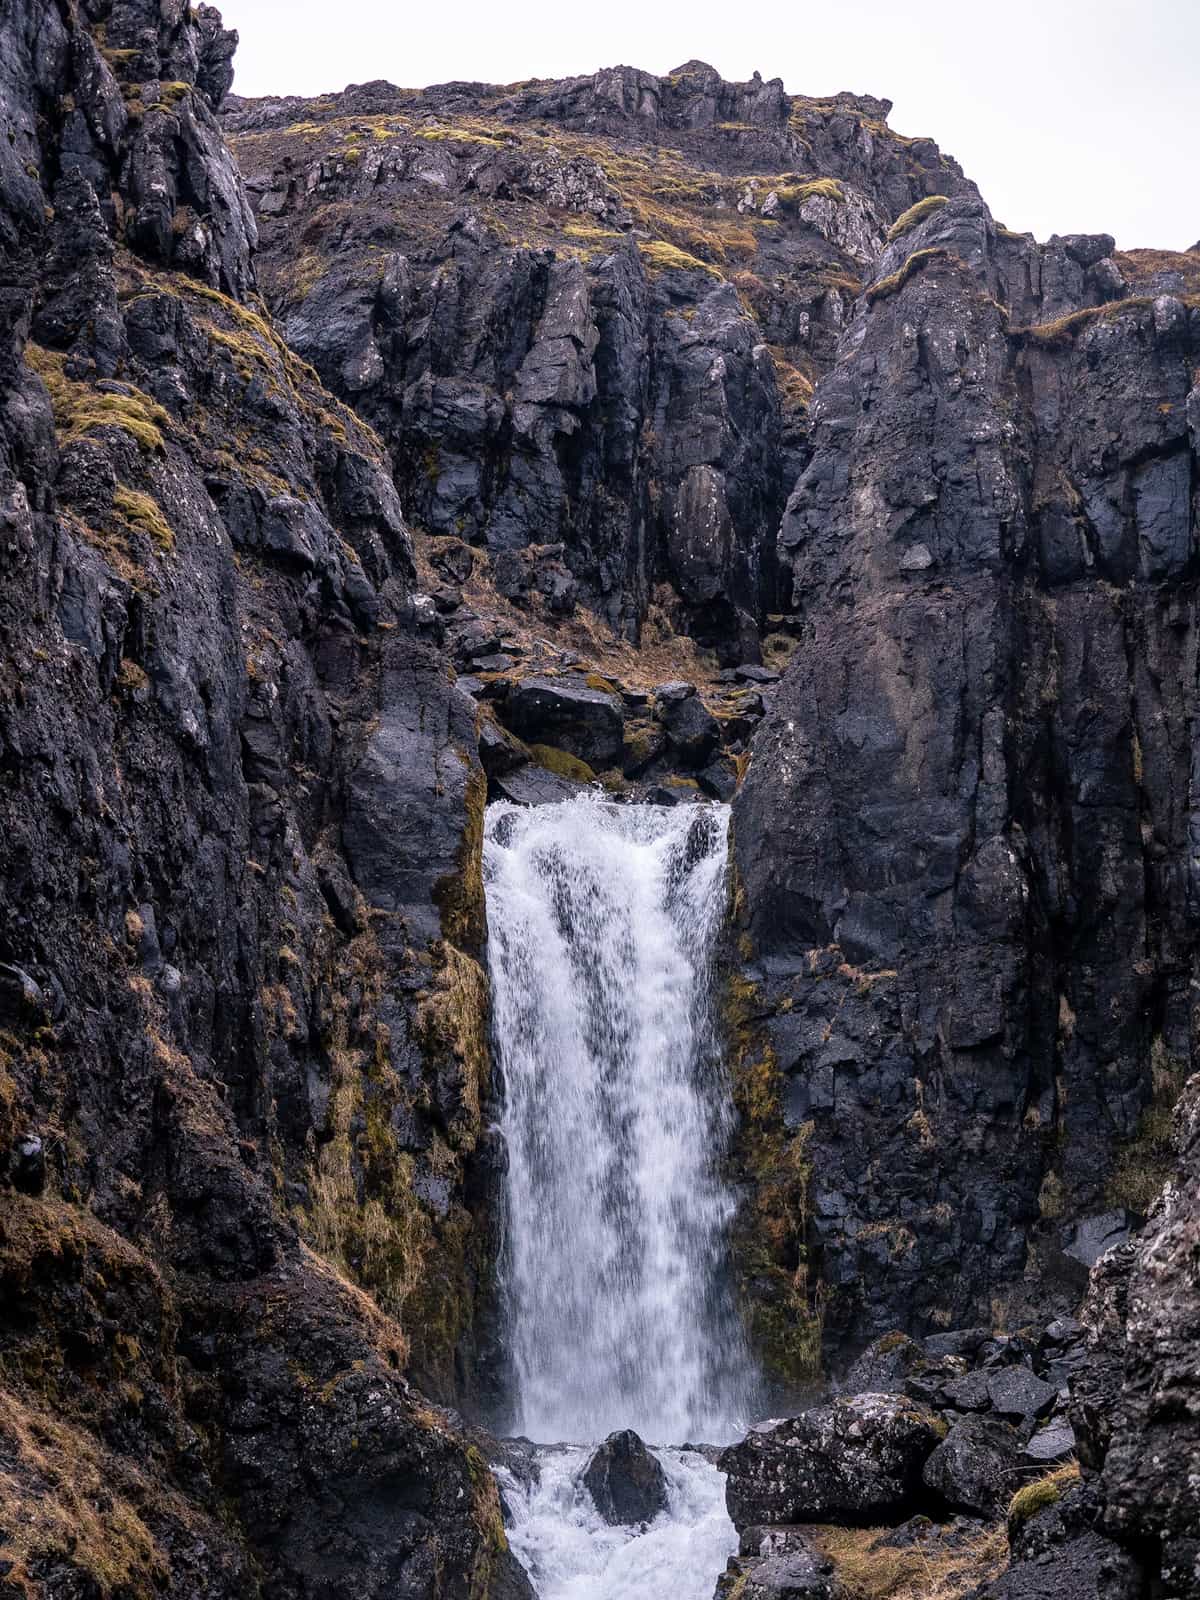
x=244, y=1069
x=626, y=1481
x=1060, y=1552
x=778, y=1561
x=243, y=1048
x=857, y=1460
x=964, y=836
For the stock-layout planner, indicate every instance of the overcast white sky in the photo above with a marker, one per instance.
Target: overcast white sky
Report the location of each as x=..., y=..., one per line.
x=1071, y=115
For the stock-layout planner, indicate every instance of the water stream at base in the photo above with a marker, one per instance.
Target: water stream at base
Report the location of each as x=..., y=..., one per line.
x=602, y=921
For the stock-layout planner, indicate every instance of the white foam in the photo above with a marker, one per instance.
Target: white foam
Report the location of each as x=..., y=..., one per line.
x=571, y=1553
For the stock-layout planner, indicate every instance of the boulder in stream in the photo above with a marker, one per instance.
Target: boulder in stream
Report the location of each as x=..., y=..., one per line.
x=626, y=1481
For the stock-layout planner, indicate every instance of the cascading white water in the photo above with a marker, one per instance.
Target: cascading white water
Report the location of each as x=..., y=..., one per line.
x=602, y=921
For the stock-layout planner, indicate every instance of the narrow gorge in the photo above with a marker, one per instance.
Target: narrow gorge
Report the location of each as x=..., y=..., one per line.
x=598, y=848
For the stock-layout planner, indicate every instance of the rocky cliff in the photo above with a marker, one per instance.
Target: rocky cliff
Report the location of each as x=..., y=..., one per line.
x=740, y=452
x=242, y=1054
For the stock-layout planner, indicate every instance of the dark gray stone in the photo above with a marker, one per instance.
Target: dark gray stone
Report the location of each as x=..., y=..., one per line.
x=858, y=1460
x=626, y=1482
x=1018, y=1393
x=972, y=1468
x=587, y=723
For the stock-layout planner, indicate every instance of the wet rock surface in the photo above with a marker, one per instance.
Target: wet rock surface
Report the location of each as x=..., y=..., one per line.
x=625, y=1480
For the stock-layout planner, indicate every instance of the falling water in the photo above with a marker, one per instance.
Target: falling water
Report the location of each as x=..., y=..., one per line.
x=602, y=921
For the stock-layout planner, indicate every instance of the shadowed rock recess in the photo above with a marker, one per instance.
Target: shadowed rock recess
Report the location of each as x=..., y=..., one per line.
x=368, y=457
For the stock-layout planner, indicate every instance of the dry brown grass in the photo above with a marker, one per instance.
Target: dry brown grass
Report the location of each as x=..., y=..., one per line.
x=871, y=1570
x=661, y=655
x=65, y=1500
x=1142, y=267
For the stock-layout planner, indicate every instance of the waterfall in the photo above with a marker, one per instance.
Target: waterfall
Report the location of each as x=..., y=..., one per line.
x=602, y=921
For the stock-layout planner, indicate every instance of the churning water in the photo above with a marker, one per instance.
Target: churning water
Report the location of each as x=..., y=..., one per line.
x=602, y=921
x=572, y=1554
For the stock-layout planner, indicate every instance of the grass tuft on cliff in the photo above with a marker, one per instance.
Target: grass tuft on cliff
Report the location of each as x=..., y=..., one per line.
x=141, y=512
x=915, y=214
x=896, y=280
x=660, y=256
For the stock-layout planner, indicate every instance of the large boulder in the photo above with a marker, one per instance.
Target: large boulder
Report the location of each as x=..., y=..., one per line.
x=626, y=1481
x=693, y=733
x=587, y=723
x=971, y=1470
x=858, y=1460
x=884, y=1365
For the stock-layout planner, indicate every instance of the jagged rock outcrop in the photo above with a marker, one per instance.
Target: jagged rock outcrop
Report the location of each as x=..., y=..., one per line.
x=586, y=312
x=242, y=1048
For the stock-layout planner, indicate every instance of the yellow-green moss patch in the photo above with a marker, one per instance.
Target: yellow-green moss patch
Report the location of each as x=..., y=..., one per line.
x=1039, y=1494
x=660, y=256
x=78, y=407
x=562, y=764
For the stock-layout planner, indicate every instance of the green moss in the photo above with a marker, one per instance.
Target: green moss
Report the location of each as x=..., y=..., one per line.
x=1036, y=1496
x=459, y=895
x=641, y=744
x=141, y=511
x=780, y=1307
x=915, y=214
x=895, y=281
x=562, y=764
